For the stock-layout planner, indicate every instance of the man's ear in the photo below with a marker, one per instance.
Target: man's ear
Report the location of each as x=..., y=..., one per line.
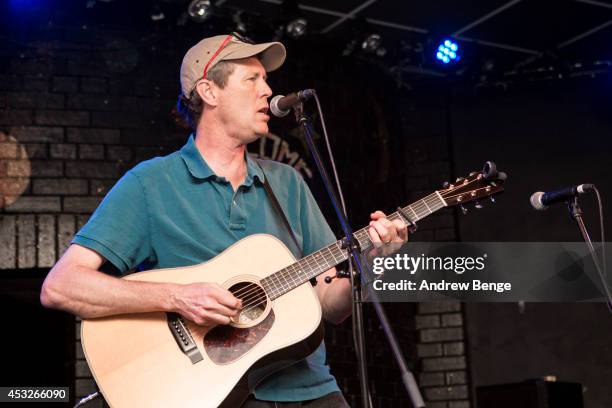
x=207, y=91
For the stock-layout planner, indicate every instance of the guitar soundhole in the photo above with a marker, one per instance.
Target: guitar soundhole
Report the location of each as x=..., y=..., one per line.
x=226, y=343
x=254, y=302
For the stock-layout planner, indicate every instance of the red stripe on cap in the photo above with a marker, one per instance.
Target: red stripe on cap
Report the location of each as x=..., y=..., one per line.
x=229, y=37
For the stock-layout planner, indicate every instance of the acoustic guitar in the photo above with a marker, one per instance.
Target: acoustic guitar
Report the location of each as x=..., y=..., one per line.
x=162, y=360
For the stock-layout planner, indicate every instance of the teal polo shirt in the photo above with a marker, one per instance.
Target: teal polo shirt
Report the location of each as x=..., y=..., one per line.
x=174, y=211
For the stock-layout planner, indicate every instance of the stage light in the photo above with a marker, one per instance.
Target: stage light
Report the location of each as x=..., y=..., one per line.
x=371, y=43
x=156, y=13
x=294, y=25
x=297, y=28
x=199, y=10
x=448, y=51
x=26, y=5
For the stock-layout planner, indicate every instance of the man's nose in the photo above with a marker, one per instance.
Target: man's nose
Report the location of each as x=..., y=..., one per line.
x=266, y=91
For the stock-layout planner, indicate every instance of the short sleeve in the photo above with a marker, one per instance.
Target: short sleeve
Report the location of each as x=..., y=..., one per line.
x=119, y=228
x=316, y=232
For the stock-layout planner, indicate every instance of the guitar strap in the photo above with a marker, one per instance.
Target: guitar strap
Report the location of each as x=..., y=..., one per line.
x=279, y=211
x=281, y=214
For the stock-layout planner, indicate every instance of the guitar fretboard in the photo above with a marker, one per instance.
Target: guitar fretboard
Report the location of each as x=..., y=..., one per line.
x=283, y=281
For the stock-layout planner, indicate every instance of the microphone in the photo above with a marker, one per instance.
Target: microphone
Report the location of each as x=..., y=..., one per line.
x=541, y=201
x=281, y=105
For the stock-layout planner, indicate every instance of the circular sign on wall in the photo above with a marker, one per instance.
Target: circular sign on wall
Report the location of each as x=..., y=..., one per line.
x=15, y=170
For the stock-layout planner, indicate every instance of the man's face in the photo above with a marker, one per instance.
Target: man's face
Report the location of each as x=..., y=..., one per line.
x=243, y=102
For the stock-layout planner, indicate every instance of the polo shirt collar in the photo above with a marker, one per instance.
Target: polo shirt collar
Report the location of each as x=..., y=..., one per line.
x=199, y=168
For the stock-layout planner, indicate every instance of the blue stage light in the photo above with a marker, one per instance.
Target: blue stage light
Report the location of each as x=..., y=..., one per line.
x=448, y=51
x=25, y=5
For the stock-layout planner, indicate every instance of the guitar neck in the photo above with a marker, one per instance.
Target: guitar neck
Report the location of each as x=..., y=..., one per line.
x=283, y=281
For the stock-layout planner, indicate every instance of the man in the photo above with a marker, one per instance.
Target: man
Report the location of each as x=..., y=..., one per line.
x=185, y=208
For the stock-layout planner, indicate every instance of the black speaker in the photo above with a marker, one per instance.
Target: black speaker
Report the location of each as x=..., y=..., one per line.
x=530, y=394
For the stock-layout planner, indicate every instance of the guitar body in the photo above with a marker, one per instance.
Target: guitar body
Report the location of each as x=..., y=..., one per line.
x=136, y=360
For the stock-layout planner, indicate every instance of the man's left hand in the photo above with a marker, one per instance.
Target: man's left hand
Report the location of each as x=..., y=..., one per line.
x=384, y=231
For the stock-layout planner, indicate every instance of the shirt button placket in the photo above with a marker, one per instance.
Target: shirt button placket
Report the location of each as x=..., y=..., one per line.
x=237, y=218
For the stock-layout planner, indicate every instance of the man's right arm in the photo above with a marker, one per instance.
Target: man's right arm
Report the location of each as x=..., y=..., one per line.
x=76, y=285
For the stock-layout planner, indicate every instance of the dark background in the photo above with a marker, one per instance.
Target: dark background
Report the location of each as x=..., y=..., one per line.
x=547, y=136
x=76, y=81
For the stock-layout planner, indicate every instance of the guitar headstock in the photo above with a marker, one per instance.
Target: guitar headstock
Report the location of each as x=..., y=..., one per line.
x=474, y=187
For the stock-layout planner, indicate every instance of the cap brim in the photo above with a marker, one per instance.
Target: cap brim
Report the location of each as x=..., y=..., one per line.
x=273, y=54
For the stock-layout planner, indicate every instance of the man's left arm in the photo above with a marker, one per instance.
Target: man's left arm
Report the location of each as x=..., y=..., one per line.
x=335, y=297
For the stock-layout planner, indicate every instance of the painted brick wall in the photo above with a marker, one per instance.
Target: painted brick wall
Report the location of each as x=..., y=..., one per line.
x=69, y=128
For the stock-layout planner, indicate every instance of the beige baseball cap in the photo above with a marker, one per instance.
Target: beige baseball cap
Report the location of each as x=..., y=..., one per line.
x=210, y=51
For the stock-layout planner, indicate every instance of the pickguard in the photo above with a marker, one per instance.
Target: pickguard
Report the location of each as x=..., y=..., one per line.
x=225, y=344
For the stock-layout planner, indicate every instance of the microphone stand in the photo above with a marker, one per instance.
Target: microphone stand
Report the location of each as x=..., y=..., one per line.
x=576, y=213
x=352, y=247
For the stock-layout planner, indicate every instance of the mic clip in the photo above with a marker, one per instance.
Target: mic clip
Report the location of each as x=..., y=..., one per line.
x=352, y=244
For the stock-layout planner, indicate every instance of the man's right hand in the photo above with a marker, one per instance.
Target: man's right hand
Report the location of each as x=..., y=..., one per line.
x=206, y=304
x=76, y=285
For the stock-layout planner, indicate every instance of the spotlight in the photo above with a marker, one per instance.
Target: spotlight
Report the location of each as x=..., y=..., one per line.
x=448, y=51
x=199, y=10
x=371, y=43
x=297, y=28
x=291, y=18
x=156, y=13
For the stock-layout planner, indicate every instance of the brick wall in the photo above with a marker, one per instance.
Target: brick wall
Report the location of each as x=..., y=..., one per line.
x=441, y=351
x=443, y=371
x=71, y=126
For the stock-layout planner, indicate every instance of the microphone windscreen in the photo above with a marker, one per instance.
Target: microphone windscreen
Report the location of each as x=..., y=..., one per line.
x=536, y=201
x=276, y=111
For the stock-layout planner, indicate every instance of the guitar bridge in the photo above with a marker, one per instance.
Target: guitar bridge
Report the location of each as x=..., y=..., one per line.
x=183, y=337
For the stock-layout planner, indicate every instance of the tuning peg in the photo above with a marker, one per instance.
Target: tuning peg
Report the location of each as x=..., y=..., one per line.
x=463, y=209
x=490, y=170
x=492, y=199
x=477, y=205
x=446, y=184
x=473, y=173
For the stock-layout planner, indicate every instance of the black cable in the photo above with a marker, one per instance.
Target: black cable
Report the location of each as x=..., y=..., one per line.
x=601, y=227
x=603, y=247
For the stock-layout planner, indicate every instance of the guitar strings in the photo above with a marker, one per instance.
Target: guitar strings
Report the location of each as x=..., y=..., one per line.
x=248, y=296
x=245, y=297
x=457, y=195
x=243, y=310
x=310, y=262
x=252, y=295
x=253, y=288
x=449, y=194
x=258, y=300
x=250, y=285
